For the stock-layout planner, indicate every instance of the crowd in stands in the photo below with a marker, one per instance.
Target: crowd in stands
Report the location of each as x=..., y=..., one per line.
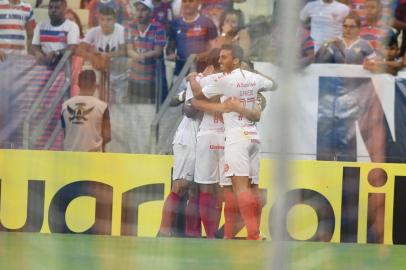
x=151, y=33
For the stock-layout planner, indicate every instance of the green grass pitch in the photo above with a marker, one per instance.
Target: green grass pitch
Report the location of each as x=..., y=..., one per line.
x=57, y=251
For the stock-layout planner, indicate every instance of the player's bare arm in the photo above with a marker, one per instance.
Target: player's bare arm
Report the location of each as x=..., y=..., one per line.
x=234, y=105
x=229, y=105
x=188, y=109
x=210, y=106
x=196, y=88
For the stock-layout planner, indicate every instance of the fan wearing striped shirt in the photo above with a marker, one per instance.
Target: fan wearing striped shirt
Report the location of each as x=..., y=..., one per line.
x=16, y=22
x=51, y=39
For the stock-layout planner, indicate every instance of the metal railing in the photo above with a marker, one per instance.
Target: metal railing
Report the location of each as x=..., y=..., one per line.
x=31, y=136
x=190, y=63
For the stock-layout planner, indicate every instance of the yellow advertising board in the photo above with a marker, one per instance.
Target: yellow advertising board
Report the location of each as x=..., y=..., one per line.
x=122, y=194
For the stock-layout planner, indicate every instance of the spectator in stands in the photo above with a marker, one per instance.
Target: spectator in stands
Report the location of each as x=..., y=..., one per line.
x=270, y=45
x=233, y=31
x=77, y=61
x=350, y=49
x=16, y=22
x=145, y=41
x=215, y=9
x=103, y=42
x=388, y=9
x=52, y=38
x=70, y=14
x=400, y=24
x=326, y=18
x=118, y=5
x=386, y=58
x=85, y=118
x=192, y=33
x=373, y=28
x=163, y=13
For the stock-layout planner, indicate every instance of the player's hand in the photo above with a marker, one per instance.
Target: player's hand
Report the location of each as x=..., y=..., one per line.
x=232, y=104
x=191, y=76
x=3, y=56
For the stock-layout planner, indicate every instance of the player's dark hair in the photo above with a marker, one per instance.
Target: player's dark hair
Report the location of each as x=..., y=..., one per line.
x=108, y=11
x=87, y=79
x=236, y=51
x=213, y=58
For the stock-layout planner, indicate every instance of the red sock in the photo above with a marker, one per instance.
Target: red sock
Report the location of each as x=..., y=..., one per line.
x=193, y=222
x=169, y=213
x=230, y=212
x=216, y=209
x=209, y=213
x=259, y=206
x=248, y=209
x=205, y=203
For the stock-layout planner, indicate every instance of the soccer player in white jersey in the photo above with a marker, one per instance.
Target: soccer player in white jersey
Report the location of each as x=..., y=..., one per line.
x=184, y=144
x=85, y=118
x=242, y=155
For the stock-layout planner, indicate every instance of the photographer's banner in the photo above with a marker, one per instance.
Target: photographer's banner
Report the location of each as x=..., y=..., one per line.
x=123, y=195
x=341, y=112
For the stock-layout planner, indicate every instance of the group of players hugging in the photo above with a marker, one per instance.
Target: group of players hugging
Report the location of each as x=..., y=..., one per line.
x=217, y=150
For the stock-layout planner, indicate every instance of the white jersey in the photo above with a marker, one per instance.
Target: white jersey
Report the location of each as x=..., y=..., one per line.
x=83, y=118
x=211, y=122
x=243, y=85
x=326, y=20
x=55, y=38
x=187, y=130
x=105, y=43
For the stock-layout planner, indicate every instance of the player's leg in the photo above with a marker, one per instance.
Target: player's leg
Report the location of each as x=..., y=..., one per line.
x=237, y=158
x=183, y=170
x=171, y=206
x=207, y=175
x=210, y=208
x=247, y=205
x=193, y=226
x=255, y=159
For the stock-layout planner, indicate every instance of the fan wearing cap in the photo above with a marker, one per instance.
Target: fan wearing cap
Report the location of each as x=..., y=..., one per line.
x=145, y=41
